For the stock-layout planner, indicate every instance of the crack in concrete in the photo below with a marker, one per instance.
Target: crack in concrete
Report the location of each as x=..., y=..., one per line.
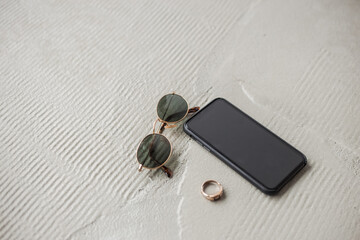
x=181, y=182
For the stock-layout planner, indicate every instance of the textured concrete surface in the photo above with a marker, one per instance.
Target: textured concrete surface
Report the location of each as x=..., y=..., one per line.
x=79, y=83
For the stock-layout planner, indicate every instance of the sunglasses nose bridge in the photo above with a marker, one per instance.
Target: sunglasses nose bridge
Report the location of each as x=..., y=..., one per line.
x=154, y=125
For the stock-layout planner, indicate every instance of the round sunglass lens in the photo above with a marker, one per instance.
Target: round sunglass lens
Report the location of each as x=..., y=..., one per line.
x=153, y=151
x=172, y=108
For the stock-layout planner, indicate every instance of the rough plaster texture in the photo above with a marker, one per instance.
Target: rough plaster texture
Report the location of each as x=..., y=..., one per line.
x=79, y=83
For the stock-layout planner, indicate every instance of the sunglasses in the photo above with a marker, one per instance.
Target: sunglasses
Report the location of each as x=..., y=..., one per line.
x=155, y=149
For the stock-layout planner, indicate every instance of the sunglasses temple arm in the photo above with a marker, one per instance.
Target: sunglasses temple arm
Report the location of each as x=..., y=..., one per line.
x=194, y=109
x=167, y=171
x=162, y=126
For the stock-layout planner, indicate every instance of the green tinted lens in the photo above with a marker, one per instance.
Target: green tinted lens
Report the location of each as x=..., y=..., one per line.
x=172, y=108
x=153, y=151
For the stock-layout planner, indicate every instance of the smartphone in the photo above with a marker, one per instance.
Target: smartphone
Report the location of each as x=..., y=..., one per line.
x=260, y=156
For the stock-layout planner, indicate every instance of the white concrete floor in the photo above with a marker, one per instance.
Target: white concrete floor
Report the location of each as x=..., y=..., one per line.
x=79, y=83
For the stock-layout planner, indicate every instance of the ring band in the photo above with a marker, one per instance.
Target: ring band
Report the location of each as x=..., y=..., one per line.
x=212, y=197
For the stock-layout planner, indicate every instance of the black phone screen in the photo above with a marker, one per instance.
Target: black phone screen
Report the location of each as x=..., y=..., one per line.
x=254, y=150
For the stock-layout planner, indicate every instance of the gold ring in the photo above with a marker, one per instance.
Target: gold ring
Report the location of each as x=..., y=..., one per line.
x=212, y=197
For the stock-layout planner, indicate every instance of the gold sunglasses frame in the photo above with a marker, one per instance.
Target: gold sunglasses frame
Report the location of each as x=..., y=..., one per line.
x=164, y=124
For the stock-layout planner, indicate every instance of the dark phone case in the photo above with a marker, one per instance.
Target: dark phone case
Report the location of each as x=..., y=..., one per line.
x=229, y=162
